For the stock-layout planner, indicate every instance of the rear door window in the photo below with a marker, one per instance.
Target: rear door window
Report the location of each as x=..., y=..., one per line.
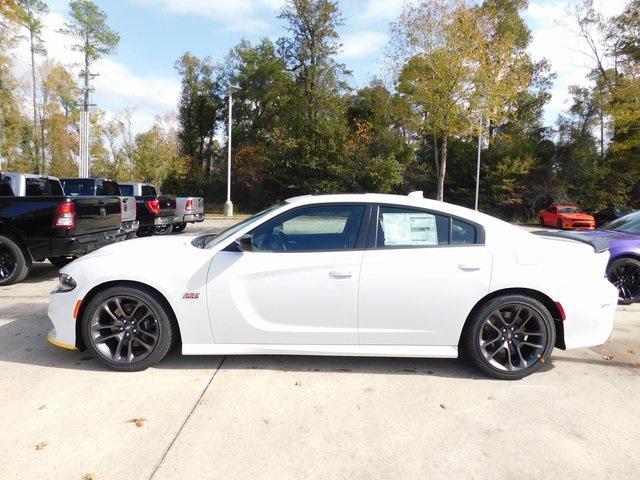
x=406, y=227
x=108, y=188
x=126, y=190
x=463, y=233
x=78, y=187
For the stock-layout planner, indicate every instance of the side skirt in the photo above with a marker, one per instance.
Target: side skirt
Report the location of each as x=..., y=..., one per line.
x=438, y=351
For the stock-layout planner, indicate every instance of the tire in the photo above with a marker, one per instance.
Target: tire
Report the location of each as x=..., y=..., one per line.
x=540, y=329
x=15, y=265
x=162, y=229
x=61, y=261
x=151, y=317
x=179, y=227
x=144, y=232
x=624, y=273
x=542, y=222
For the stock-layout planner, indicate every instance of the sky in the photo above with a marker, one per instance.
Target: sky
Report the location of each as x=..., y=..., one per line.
x=154, y=33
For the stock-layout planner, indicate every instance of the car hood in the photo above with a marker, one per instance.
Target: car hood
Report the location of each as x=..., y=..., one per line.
x=577, y=216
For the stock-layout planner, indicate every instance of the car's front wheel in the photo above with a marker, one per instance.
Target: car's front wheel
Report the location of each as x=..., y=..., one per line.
x=127, y=328
x=510, y=337
x=624, y=273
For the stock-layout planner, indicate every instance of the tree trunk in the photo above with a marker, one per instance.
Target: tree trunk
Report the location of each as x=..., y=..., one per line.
x=601, y=134
x=443, y=169
x=35, y=111
x=436, y=158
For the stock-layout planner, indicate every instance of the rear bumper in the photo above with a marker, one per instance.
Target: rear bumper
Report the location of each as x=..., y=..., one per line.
x=130, y=226
x=590, y=317
x=76, y=246
x=165, y=219
x=189, y=218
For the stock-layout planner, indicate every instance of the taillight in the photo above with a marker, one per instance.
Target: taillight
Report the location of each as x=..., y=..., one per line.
x=153, y=206
x=65, y=216
x=188, y=206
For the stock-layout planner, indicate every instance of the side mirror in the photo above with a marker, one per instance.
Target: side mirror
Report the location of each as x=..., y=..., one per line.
x=245, y=243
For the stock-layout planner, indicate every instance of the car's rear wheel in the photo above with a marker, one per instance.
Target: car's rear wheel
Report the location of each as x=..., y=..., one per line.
x=510, y=337
x=624, y=273
x=14, y=264
x=127, y=328
x=162, y=229
x=542, y=221
x=179, y=227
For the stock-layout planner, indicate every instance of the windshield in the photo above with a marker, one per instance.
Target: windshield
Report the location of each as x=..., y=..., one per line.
x=229, y=232
x=569, y=210
x=78, y=187
x=629, y=224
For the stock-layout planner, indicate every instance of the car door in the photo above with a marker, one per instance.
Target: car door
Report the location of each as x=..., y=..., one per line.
x=422, y=277
x=299, y=284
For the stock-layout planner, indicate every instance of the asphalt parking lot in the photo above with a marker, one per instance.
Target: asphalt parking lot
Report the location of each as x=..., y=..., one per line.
x=64, y=417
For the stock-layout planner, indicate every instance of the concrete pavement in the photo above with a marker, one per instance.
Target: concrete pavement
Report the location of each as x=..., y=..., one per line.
x=65, y=417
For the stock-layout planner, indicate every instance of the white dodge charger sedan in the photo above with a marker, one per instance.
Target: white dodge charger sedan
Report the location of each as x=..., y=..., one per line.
x=366, y=275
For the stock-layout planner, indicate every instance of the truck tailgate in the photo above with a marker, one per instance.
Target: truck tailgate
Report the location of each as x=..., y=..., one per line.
x=96, y=214
x=128, y=209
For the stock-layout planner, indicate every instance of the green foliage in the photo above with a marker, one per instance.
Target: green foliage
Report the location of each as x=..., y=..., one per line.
x=88, y=26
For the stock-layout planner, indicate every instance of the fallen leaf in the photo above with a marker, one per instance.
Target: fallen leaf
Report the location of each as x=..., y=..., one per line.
x=491, y=397
x=89, y=476
x=632, y=352
x=607, y=357
x=443, y=406
x=42, y=407
x=542, y=360
x=138, y=421
x=265, y=421
x=41, y=445
x=298, y=384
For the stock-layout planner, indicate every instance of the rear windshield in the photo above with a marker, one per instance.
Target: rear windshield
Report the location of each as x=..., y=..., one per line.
x=126, y=190
x=629, y=223
x=79, y=187
x=109, y=188
x=148, y=191
x=39, y=187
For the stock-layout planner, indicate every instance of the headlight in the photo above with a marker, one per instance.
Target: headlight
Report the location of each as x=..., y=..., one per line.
x=66, y=283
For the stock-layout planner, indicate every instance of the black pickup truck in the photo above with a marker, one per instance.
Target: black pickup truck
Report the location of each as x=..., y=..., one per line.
x=152, y=210
x=37, y=221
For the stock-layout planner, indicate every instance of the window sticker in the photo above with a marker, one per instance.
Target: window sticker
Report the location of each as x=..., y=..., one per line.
x=413, y=229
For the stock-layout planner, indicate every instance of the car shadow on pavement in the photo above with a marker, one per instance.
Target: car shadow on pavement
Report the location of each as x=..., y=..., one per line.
x=41, y=271
x=24, y=327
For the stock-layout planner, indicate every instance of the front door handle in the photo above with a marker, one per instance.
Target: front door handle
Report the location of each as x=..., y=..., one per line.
x=340, y=274
x=468, y=267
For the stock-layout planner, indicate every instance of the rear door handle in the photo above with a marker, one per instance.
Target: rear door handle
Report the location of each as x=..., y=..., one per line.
x=468, y=267
x=340, y=274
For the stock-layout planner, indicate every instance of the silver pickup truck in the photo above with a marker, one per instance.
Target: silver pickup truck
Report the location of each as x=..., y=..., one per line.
x=188, y=210
x=92, y=187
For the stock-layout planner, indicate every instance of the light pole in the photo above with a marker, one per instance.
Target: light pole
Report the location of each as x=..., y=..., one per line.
x=228, y=205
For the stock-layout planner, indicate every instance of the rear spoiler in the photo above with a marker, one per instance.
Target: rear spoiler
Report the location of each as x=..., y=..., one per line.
x=598, y=244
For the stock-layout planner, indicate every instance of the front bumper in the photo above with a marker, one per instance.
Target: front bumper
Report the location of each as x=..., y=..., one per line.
x=578, y=225
x=76, y=246
x=53, y=340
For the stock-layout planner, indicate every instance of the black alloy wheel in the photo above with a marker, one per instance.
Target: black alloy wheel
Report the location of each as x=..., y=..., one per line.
x=624, y=273
x=510, y=337
x=127, y=328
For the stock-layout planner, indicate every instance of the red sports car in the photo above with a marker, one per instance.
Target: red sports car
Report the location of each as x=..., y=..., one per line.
x=567, y=216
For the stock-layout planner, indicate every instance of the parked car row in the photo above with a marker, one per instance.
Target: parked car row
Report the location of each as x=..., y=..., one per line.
x=42, y=217
x=572, y=217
